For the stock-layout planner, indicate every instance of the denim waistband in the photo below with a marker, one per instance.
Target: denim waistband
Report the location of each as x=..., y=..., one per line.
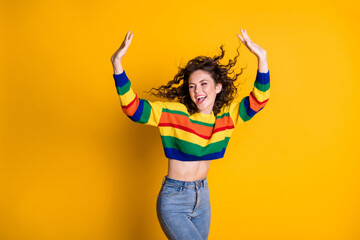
x=180, y=183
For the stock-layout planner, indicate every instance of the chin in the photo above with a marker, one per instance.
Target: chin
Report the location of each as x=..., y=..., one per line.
x=202, y=109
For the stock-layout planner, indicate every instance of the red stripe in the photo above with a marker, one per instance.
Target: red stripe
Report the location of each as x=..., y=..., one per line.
x=257, y=101
x=182, y=120
x=132, y=102
x=223, y=128
x=182, y=128
x=254, y=103
x=192, y=131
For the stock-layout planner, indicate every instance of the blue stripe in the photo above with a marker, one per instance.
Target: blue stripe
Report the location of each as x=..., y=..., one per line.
x=248, y=109
x=137, y=115
x=173, y=153
x=263, y=78
x=121, y=79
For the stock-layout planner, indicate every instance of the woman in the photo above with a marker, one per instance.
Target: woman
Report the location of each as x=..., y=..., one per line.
x=194, y=130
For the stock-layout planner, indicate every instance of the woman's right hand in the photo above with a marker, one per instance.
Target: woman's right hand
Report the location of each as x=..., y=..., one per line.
x=119, y=54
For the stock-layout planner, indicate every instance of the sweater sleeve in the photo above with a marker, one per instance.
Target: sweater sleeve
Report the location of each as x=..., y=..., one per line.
x=137, y=109
x=250, y=105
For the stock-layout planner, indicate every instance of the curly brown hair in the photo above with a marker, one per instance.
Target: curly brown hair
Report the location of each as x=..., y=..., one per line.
x=219, y=73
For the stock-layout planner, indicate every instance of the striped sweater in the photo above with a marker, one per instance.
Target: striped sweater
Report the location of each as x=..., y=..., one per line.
x=198, y=136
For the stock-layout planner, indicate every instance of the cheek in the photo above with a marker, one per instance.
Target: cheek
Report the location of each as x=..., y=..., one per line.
x=192, y=95
x=211, y=91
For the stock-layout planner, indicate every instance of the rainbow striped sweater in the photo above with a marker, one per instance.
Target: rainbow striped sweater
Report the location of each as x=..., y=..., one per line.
x=198, y=136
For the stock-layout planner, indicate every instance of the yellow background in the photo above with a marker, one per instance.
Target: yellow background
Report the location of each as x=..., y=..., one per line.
x=73, y=166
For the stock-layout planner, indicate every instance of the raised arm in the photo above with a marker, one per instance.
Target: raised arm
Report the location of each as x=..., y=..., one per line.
x=259, y=96
x=137, y=109
x=259, y=52
x=120, y=53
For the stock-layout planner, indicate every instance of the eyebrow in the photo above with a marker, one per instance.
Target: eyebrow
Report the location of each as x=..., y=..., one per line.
x=200, y=81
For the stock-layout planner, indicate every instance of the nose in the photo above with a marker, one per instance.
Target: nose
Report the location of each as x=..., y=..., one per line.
x=197, y=90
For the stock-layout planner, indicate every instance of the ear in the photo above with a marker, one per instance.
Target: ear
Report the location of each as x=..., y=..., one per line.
x=218, y=88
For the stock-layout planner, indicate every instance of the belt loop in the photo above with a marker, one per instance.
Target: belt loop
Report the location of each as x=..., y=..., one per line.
x=163, y=180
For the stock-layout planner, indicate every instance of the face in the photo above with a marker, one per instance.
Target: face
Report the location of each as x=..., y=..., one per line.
x=203, y=90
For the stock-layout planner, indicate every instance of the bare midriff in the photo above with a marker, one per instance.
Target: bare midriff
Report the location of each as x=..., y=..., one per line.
x=188, y=170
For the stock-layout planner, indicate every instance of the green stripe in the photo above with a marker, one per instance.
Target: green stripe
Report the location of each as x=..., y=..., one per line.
x=192, y=148
x=224, y=115
x=175, y=112
x=146, y=112
x=187, y=115
x=242, y=111
x=124, y=89
x=262, y=87
x=202, y=123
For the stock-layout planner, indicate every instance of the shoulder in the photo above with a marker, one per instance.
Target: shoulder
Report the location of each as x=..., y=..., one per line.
x=176, y=106
x=229, y=108
x=231, y=111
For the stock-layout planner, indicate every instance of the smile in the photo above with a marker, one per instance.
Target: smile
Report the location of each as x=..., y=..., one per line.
x=200, y=99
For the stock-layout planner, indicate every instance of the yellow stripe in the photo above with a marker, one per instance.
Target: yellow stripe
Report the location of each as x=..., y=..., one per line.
x=190, y=137
x=260, y=95
x=156, y=110
x=234, y=113
x=127, y=97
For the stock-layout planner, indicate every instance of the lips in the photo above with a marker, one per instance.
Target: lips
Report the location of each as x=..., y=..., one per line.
x=200, y=99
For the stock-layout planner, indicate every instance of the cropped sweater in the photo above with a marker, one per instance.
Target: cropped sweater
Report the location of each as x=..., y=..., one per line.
x=198, y=136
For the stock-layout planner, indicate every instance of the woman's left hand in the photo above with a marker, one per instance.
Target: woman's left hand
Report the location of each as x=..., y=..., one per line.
x=253, y=47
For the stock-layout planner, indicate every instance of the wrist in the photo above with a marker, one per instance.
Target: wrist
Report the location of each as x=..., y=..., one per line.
x=262, y=58
x=117, y=66
x=263, y=64
x=118, y=71
x=116, y=62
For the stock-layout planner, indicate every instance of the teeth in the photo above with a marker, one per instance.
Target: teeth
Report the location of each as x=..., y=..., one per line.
x=200, y=99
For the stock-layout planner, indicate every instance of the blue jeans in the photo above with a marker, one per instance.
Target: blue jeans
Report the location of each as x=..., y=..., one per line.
x=183, y=209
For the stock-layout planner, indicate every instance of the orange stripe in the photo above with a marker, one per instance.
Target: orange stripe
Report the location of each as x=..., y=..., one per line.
x=255, y=104
x=190, y=130
x=185, y=121
x=223, y=122
x=131, y=108
x=223, y=128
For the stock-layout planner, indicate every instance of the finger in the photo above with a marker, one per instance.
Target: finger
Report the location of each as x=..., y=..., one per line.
x=124, y=39
x=128, y=35
x=241, y=39
x=243, y=32
x=244, y=35
x=247, y=36
x=131, y=37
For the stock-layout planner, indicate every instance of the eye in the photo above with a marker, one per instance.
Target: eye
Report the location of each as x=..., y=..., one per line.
x=204, y=84
x=191, y=87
